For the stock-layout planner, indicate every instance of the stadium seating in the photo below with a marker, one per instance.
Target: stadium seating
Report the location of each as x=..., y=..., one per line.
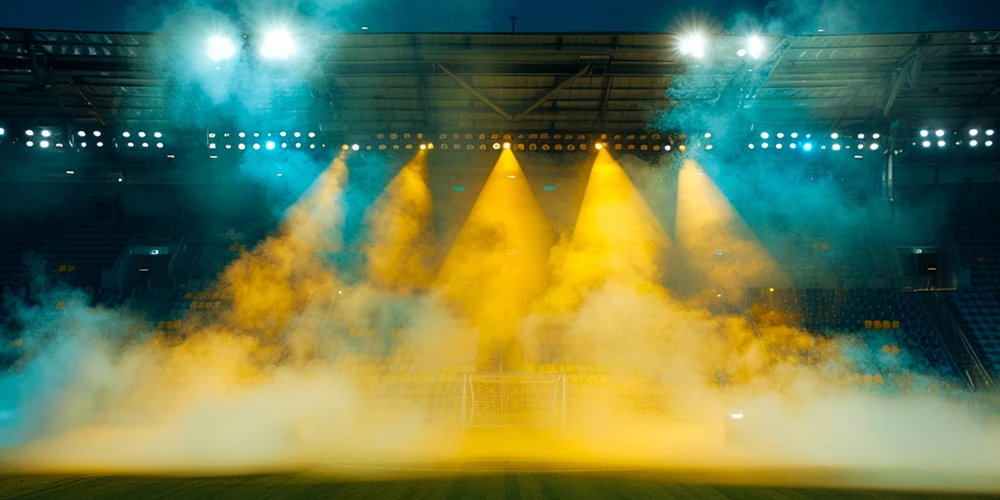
x=978, y=305
x=881, y=318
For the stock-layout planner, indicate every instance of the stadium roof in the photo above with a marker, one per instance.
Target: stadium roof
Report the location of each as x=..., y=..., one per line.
x=367, y=82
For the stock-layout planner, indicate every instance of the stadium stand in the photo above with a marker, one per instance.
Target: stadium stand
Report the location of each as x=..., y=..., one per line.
x=978, y=305
x=883, y=321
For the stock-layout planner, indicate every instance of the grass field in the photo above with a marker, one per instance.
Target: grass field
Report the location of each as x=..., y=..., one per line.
x=485, y=486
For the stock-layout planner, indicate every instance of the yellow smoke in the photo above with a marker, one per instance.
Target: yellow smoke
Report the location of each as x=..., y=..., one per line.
x=715, y=240
x=399, y=230
x=498, y=263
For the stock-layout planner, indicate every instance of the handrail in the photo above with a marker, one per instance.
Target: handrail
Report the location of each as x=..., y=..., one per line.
x=760, y=339
x=943, y=342
x=977, y=363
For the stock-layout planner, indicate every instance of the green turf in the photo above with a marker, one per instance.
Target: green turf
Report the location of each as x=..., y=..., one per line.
x=517, y=486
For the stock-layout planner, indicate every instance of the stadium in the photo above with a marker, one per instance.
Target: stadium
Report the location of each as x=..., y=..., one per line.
x=546, y=265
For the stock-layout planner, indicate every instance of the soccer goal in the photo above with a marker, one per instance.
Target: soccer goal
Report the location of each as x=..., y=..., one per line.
x=514, y=400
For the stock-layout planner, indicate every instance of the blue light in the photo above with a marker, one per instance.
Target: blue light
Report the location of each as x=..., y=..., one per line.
x=269, y=145
x=807, y=146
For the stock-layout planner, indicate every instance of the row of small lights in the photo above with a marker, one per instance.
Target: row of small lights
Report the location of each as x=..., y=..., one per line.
x=939, y=134
x=694, y=45
x=808, y=146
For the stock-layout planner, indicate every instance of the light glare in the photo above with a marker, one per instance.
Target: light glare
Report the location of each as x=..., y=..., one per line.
x=693, y=45
x=219, y=48
x=277, y=44
x=755, y=47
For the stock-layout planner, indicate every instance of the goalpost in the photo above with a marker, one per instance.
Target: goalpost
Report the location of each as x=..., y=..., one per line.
x=514, y=400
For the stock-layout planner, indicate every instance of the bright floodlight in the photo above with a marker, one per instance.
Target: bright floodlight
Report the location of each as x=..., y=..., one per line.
x=941, y=144
x=44, y=144
x=926, y=144
x=989, y=132
x=834, y=136
x=693, y=45
x=807, y=146
x=874, y=146
x=755, y=47
x=46, y=133
x=81, y=133
x=764, y=135
x=974, y=132
x=269, y=145
x=598, y=146
x=939, y=133
x=924, y=133
x=219, y=48
x=277, y=44
x=355, y=147
x=973, y=143
x=506, y=145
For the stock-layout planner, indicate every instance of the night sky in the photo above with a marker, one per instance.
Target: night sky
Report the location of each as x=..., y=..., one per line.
x=775, y=16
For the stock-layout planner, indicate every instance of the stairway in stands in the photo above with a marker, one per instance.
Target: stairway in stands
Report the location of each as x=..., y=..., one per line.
x=957, y=345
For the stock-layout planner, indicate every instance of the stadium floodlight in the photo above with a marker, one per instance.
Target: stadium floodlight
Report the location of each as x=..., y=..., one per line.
x=241, y=146
x=242, y=135
x=876, y=135
x=778, y=146
x=423, y=147
x=924, y=133
x=297, y=134
x=277, y=44
x=736, y=416
x=755, y=46
x=861, y=136
x=764, y=135
x=795, y=135
x=81, y=133
x=126, y=134
x=496, y=146
x=298, y=145
x=988, y=143
x=269, y=145
x=159, y=145
x=29, y=132
x=763, y=145
x=693, y=44
x=142, y=134
x=874, y=146
x=100, y=144
x=283, y=134
x=97, y=133
x=750, y=145
x=219, y=48
x=793, y=145
x=941, y=144
x=741, y=52
x=131, y=144
x=46, y=133
x=145, y=144
x=836, y=147
x=926, y=144
x=29, y=143
x=506, y=145
x=835, y=136
x=973, y=143
x=939, y=133
x=157, y=135
x=598, y=146
x=355, y=147
x=256, y=146
x=974, y=132
x=807, y=146
x=989, y=132
x=2, y=131
x=780, y=135
x=43, y=144
x=312, y=134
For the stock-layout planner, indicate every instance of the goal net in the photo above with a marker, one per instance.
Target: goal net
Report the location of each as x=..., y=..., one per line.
x=514, y=400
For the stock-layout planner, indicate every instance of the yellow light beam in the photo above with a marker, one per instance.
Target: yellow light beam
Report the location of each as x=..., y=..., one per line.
x=399, y=223
x=716, y=241
x=499, y=261
x=617, y=238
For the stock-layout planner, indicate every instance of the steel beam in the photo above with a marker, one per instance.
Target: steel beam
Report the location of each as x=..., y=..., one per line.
x=550, y=93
